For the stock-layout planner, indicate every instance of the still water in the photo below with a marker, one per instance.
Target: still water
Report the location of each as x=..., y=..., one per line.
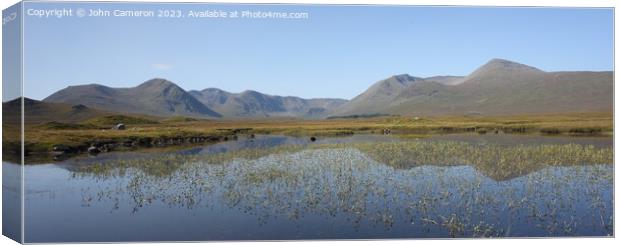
x=359, y=187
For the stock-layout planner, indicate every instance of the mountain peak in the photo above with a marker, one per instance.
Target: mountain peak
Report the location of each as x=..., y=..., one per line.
x=92, y=85
x=158, y=97
x=395, y=82
x=157, y=82
x=17, y=101
x=500, y=60
x=162, y=87
x=211, y=90
x=501, y=68
x=507, y=64
x=405, y=78
x=251, y=93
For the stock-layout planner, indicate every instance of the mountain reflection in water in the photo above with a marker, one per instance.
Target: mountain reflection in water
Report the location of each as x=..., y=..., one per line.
x=368, y=187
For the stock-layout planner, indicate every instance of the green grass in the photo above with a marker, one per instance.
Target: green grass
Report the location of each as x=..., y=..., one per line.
x=116, y=119
x=65, y=126
x=43, y=136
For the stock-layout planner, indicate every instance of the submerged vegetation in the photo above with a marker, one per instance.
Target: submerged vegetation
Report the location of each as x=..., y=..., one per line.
x=497, y=162
x=494, y=161
x=416, y=188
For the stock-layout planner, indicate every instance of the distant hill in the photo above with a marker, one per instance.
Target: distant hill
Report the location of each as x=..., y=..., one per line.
x=378, y=97
x=157, y=97
x=252, y=104
x=499, y=87
x=41, y=112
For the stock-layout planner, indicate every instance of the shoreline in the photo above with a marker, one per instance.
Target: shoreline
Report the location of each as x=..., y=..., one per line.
x=63, y=152
x=61, y=139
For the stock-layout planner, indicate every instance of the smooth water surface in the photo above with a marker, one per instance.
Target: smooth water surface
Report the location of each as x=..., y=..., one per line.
x=359, y=187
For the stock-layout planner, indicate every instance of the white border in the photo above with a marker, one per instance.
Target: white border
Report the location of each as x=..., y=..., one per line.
x=538, y=3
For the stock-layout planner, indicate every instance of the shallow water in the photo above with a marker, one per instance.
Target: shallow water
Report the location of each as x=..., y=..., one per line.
x=359, y=187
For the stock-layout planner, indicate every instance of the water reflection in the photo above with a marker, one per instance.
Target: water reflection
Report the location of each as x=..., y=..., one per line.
x=370, y=189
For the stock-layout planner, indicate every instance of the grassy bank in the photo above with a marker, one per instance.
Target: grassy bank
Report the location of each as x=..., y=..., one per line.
x=43, y=137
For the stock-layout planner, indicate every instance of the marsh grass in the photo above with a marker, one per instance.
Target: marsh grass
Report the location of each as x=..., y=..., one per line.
x=498, y=162
x=116, y=119
x=495, y=161
x=42, y=138
x=438, y=189
x=65, y=126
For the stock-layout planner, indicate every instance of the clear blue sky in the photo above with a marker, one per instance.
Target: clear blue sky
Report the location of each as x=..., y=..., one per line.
x=338, y=52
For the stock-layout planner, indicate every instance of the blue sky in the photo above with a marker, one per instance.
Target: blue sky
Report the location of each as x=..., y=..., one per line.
x=338, y=52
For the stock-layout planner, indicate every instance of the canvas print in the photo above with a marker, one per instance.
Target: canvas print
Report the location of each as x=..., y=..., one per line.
x=127, y=122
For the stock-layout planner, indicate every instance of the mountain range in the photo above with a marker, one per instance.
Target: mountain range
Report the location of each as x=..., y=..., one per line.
x=156, y=97
x=36, y=112
x=499, y=87
x=254, y=104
